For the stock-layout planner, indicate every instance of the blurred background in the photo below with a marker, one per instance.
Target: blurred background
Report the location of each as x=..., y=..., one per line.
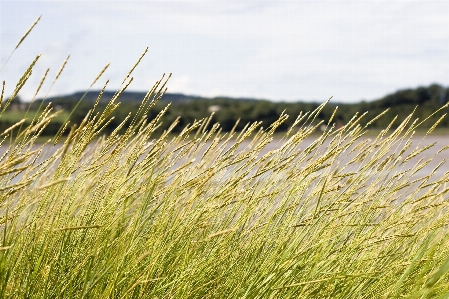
x=247, y=59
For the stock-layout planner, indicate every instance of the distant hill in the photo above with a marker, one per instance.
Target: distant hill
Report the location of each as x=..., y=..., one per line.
x=436, y=94
x=127, y=96
x=228, y=110
x=403, y=102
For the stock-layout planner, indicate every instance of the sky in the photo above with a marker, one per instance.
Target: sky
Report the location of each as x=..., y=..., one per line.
x=275, y=50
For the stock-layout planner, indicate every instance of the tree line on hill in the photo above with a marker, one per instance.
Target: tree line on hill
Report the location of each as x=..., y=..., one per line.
x=229, y=110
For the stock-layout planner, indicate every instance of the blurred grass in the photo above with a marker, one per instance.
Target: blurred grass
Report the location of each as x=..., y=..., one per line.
x=16, y=116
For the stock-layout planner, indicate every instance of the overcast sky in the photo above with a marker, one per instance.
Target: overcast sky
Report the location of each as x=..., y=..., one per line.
x=277, y=50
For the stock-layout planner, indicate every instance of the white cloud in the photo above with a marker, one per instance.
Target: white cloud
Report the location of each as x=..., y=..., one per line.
x=286, y=50
x=179, y=84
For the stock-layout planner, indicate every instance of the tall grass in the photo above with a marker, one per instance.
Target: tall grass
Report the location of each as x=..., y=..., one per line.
x=205, y=214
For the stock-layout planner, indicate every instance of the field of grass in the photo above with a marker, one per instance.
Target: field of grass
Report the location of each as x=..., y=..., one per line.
x=203, y=214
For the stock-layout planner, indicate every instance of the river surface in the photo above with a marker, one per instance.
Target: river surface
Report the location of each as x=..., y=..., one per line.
x=441, y=141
